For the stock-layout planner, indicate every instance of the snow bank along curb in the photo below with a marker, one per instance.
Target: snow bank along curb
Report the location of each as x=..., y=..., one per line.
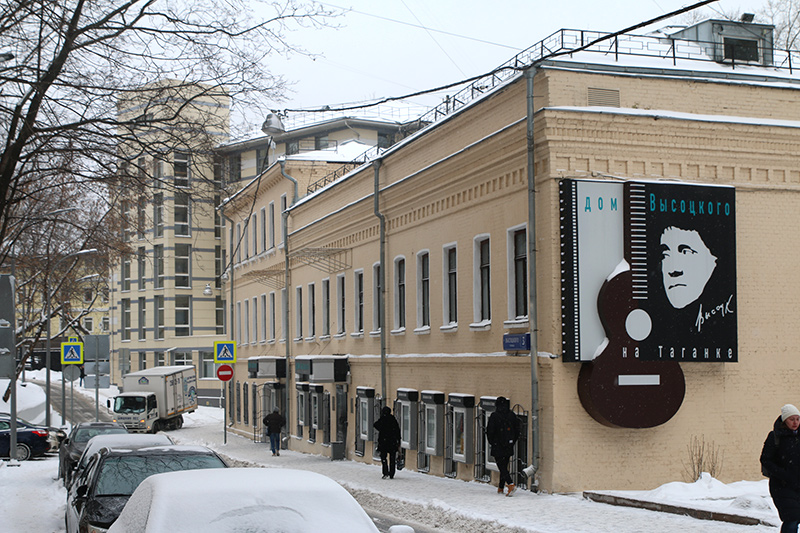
x=675, y=509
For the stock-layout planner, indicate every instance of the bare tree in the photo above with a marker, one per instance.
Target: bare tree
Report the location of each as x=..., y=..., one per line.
x=785, y=16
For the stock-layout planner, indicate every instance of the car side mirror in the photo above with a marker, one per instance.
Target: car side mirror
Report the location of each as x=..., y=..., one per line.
x=108, y=404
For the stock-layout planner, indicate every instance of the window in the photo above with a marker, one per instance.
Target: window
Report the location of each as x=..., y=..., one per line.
x=183, y=359
x=326, y=307
x=88, y=323
x=158, y=317
x=482, y=280
x=218, y=266
x=140, y=218
x=298, y=312
x=284, y=314
x=236, y=250
x=219, y=309
x=235, y=167
x=400, y=293
x=423, y=290
x=245, y=404
x=312, y=310
x=183, y=265
x=126, y=319
x=377, y=287
x=218, y=220
x=181, y=214
x=105, y=323
x=255, y=319
x=283, y=218
x=87, y=295
x=262, y=228
x=126, y=272
x=158, y=266
x=141, y=269
x=254, y=231
x=358, y=281
x=271, y=226
x=246, y=323
x=125, y=224
x=142, y=319
x=245, y=240
x=207, y=368
x=142, y=360
x=263, y=317
x=262, y=159
x=272, y=316
x=158, y=173
x=183, y=311
x=180, y=167
x=450, y=299
x=340, y=304
x=238, y=322
x=159, y=358
x=519, y=275
x=740, y=49
x=158, y=214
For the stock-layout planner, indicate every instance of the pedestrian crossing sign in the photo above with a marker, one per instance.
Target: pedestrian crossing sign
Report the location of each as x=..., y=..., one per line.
x=72, y=353
x=224, y=352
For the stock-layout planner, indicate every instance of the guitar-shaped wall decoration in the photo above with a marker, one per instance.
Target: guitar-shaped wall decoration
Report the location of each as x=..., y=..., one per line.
x=618, y=388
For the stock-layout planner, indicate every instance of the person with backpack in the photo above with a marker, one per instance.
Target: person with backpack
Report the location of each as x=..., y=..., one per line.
x=502, y=432
x=780, y=462
x=388, y=441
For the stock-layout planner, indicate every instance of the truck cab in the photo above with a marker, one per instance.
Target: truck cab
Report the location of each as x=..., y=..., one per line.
x=137, y=411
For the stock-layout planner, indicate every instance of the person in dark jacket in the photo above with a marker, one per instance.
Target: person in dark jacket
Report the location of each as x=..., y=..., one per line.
x=388, y=441
x=273, y=423
x=502, y=432
x=780, y=462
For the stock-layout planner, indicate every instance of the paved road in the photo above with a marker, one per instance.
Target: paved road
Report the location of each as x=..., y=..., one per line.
x=79, y=407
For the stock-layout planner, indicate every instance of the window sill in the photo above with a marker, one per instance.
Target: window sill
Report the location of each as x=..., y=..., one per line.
x=310, y=339
x=485, y=325
x=521, y=322
x=339, y=336
x=424, y=330
x=449, y=328
x=398, y=331
x=271, y=341
x=298, y=339
x=324, y=337
x=357, y=334
x=375, y=333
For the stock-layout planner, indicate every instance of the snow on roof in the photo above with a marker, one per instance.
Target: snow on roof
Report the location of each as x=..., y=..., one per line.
x=343, y=152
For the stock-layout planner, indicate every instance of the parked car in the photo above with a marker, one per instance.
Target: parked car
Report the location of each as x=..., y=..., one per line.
x=32, y=440
x=244, y=499
x=128, y=441
x=98, y=494
x=56, y=435
x=72, y=447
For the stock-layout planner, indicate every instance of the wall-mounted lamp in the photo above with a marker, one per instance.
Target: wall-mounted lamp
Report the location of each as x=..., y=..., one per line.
x=207, y=291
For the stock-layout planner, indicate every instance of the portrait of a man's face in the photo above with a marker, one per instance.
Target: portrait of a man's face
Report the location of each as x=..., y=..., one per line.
x=686, y=265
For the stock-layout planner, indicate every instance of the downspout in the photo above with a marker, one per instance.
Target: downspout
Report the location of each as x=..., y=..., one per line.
x=532, y=311
x=376, y=165
x=286, y=278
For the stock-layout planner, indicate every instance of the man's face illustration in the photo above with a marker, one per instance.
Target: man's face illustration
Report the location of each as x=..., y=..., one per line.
x=686, y=265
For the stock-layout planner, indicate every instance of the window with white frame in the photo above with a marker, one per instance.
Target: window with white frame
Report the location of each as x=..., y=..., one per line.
x=272, y=316
x=87, y=295
x=262, y=228
x=142, y=319
x=482, y=300
x=255, y=319
x=283, y=218
x=142, y=360
x=358, y=308
x=181, y=214
x=326, y=307
x=158, y=214
x=236, y=243
x=158, y=357
x=140, y=218
x=183, y=315
x=315, y=408
x=126, y=272
x=423, y=289
x=158, y=266
x=298, y=312
x=219, y=222
x=158, y=317
x=246, y=323
x=207, y=367
x=271, y=225
x=302, y=399
x=126, y=319
x=141, y=270
x=364, y=417
x=376, y=296
x=254, y=232
x=518, y=273
x=263, y=317
x=180, y=169
x=219, y=312
x=450, y=286
x=245, y=239
x=218, y=266
x=105, y=324
x=340, y=304
x=238, y=324
x=183, y=359
x=312, y=310
x=284, y=314
x=158, y=173
x=183, y=261
x=399, y=293
x=88, y=323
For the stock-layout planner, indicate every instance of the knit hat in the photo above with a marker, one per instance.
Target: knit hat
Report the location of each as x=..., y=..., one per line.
x=787, y=411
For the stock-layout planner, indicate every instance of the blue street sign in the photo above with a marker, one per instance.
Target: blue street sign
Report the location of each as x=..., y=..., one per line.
x=517, y=342
x=224, y=352
x=71, y=353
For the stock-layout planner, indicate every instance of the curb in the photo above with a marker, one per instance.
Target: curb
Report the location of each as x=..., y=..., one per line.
x=675, y=509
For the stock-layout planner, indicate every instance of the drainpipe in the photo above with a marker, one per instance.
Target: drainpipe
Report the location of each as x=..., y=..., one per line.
x=376, y=165
x=286, y=278
x=532, y=318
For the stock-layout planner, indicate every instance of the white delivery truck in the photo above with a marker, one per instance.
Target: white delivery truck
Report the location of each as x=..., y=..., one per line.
x=155, y=398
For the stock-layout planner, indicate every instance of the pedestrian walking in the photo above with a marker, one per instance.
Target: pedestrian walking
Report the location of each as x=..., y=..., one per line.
x=780, y=462
x=273, y=423
x=82, y=375
x=502, y=432
x=388, y=441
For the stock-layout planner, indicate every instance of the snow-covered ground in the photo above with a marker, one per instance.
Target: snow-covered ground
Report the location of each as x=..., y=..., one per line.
x=33, y=501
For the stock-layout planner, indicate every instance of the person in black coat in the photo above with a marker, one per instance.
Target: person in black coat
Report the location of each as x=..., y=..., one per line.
x=780, y=462
x=388, y=441
x=502, y=432
x=273, y=423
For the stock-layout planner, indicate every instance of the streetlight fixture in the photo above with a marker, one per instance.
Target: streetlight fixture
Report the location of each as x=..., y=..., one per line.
x=207, y=291
x=48, y=308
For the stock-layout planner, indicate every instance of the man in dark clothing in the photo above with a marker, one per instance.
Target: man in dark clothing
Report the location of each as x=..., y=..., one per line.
x=502, y=432
x=780, y=462
x=388, y=441
x=273, y=423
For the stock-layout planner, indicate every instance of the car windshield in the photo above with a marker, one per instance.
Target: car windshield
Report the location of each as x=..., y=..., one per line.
x=119, y=476
x=84, y=434
x=129, y=404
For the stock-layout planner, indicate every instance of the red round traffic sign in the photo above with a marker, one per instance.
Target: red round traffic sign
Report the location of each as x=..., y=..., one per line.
x=225, y=372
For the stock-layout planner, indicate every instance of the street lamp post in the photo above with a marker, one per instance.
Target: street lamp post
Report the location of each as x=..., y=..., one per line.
x=48, y=308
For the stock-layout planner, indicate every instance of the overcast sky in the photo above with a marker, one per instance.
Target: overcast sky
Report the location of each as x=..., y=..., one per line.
x=396, y=47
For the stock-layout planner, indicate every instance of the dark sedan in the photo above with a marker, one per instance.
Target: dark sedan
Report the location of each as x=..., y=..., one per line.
x=72, y=447
x=32, y=440
x=100, y=491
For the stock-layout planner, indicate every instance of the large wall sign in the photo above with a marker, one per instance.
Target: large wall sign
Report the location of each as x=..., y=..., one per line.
x=670, y=295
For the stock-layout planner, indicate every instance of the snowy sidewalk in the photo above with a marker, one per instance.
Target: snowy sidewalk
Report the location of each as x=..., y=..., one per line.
x=459, y=506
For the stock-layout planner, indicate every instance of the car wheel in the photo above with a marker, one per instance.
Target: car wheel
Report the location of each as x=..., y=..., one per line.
x=179, y=422
x=156, y=427
x=23, y=452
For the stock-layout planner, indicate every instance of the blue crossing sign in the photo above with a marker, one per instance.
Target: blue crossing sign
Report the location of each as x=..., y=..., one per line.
x=224, y=352
x=72, y=353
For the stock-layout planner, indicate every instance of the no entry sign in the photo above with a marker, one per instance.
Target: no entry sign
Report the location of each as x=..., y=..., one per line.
x=225, y=372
